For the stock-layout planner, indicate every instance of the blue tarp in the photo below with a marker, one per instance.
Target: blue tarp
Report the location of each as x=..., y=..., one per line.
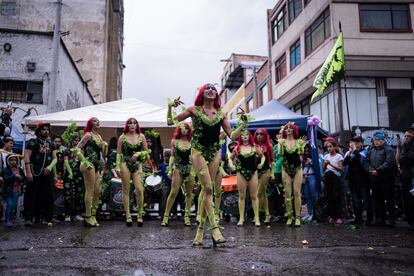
x=273, y=115
x=18, y=139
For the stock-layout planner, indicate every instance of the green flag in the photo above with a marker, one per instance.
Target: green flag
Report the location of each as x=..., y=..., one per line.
x=332, y=70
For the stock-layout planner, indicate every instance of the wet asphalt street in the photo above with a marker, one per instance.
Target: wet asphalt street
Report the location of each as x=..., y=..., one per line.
x=113, y=249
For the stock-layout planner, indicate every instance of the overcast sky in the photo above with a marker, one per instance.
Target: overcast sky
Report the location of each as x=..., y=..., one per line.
x=174, y=46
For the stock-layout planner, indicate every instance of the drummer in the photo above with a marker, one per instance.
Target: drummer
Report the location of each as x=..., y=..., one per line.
x=180, y=171
x=132, y=151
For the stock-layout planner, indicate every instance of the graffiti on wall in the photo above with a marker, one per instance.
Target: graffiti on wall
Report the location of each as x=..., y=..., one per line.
x=391, y=136
x=72, y=100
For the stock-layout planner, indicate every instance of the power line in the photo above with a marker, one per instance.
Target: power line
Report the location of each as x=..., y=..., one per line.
x=177, y=48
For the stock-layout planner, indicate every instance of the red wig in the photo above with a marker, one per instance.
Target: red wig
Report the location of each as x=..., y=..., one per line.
x=89, y=125
x=200, y=97
x=265, y=143
x=177, y=132
x=126, y=128
x=295, y=130
x=240, y=142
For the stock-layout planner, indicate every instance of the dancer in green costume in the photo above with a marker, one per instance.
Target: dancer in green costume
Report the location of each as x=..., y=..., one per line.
x=180, y=170
x=247, y=154
x=291, y=148
x=132, y=151
x=207, y=118
x=94, y=147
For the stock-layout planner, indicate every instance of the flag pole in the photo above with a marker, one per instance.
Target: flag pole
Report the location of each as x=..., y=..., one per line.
x=346, y=91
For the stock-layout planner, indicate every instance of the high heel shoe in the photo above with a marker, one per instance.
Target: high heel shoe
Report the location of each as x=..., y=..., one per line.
x=164, y=222
x=198, y=240
x=140, y=222
x=267, y=220
x=240, y=223
x=289, y=222
x=187, y=221
x=297, y=222
x=94, y=221
x=257, y=223
x=88, y=223
x=128, y=222
x=217, y=237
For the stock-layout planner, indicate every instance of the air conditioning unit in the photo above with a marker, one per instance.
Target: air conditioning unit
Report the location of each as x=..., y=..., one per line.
x=31, y=66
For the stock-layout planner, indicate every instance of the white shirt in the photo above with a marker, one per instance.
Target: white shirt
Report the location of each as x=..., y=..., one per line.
x=334, y=160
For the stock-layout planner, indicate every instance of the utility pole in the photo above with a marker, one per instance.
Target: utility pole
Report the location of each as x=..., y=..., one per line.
x=51, y=101
x=256, y=88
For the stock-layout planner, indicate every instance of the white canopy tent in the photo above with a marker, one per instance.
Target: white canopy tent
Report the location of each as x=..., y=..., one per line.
x=111, y=114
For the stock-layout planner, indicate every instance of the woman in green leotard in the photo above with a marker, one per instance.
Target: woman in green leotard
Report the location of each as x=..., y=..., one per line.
x=262, y=141
x=94, y=147
x=180, y=169
x=247, y=154
x=291, y=148
x=207, y=118
x=132, y=151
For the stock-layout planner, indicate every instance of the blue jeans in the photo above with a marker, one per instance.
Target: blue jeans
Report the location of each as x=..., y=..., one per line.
x=11, y=203
x=310, y=192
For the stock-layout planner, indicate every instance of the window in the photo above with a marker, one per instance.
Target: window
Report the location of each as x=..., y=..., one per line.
x=250, y=106
x=21, y=91
x=259, y=98
x=8, y=8
x=362, y=105
x=279, y=24
x=295, y=7
x=302, y=107
x=265, y=93
x=280, y=68
x=317, y=32
x=295, y=55
x=384, y=17
x=297, y=108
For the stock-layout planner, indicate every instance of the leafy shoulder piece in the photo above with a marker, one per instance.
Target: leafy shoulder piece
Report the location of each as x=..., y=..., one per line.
x=151, y=134
x=70, y=133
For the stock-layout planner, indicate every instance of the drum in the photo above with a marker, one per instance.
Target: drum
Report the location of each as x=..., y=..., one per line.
x=154, y=183
x=58, y=199
x=115, y=201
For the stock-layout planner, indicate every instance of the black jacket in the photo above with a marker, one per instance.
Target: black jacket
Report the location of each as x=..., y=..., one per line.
x=407, y=158
x=355, y=162
x=382, y=160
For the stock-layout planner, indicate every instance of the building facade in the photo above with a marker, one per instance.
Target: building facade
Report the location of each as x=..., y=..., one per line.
x=26, y=61
x=92, y=31
x=257, y=89
x=241, y=75
x=379, y=58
